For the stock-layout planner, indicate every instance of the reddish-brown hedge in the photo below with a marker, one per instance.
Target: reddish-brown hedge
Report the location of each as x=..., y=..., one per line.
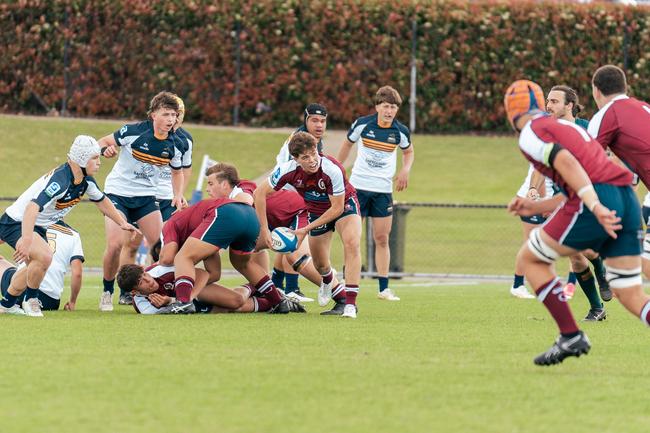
x=119, y=53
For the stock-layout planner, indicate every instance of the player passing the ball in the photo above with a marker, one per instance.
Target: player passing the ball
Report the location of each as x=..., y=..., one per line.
x=331, y=204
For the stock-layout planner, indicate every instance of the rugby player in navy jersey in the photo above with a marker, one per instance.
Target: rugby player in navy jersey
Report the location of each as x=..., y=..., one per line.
x=165, y=193
x=48, y=200
x=146, y=148
x=562, y=102
x=622, y=125
x=598, y=210
x=331, y=204
x=377, y=137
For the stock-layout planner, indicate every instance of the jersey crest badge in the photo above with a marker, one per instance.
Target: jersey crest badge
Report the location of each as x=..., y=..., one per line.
x=371, y=134
x=52, y=189
x=321, y=183
x=391, y=138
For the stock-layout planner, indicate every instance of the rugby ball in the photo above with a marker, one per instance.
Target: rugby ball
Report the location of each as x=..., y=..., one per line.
x=283, y=240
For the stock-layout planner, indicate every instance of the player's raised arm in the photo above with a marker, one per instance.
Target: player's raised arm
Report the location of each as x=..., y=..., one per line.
x=344, y=152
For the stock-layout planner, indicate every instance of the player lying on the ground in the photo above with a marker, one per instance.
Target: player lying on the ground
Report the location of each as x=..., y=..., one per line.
x=283, y=209
x=331, y=204
x=600, y=211
x=48, y=200
x=154, y=293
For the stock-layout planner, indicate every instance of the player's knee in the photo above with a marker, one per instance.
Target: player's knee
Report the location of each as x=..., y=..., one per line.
x=578, y=263
x=381, y=240
x=46, y=259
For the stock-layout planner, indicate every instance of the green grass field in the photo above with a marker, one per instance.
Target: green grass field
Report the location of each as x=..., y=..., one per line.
x=450, y=357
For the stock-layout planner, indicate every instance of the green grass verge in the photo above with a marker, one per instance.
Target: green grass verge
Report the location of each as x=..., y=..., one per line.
x=447, y=358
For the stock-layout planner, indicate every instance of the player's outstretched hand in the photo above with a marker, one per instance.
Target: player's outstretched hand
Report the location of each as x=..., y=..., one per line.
x=23, y=246
x=521, y=206
x=69, y=306
x=129, y=228
x=608, y=219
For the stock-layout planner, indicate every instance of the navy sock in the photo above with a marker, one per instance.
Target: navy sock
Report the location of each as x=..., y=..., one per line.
x=572, y=278
x=8, y=300
x=31, y=293
x=292, y=283
x=383, y=283
x=109, y=285
x=519, y=281
x=278, y=278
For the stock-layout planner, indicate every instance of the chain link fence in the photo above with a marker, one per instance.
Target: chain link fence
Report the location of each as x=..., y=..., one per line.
x=427, y=239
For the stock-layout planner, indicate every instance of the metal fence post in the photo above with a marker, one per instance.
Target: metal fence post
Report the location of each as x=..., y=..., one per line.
x=397, y=239
x=370, y=248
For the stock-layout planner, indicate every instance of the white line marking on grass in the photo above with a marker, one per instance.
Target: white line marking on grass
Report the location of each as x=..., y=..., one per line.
x=434, y=284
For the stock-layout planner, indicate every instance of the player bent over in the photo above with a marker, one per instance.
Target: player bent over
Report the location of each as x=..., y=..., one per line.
x=600, y=212
x=200, y=231
x=283, y=209
x=48, y=200
x=331, y=203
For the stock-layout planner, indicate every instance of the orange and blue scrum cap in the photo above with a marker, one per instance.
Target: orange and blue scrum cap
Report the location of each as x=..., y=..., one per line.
x=523, y=96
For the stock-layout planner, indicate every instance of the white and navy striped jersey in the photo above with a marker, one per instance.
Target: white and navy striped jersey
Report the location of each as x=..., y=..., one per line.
x=376, y=161
x=55, y=194
x=184, y=144
x=143, y=156
x=66, y=247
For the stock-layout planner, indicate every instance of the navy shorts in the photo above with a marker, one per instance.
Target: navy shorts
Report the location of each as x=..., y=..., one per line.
x=5, y=280
x=573, y=225
x=134, y=208
x=375, y=204
x=47, y=302
x=166, y=209
x=11, y=230
x=233, y=225
x=351, y=208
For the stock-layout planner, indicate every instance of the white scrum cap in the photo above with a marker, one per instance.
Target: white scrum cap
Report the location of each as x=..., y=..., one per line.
x=83, y=148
